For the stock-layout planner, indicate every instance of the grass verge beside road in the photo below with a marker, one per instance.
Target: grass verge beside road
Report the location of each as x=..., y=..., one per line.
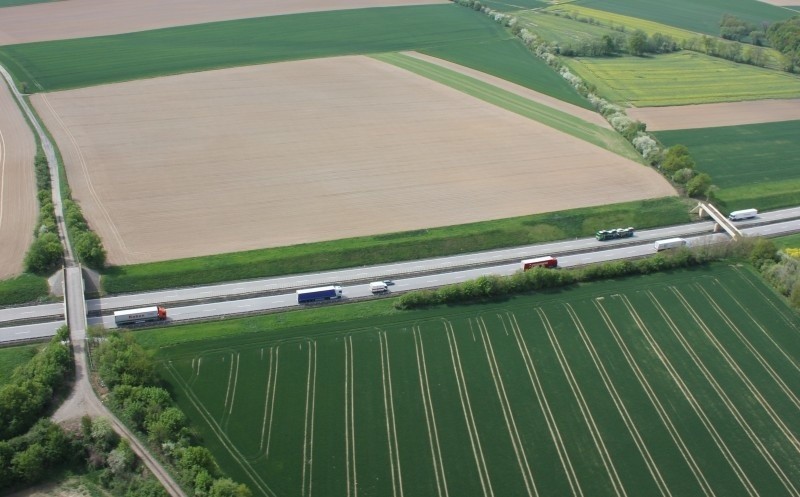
x=395, y=247
x=23, y=289
x=11, y=357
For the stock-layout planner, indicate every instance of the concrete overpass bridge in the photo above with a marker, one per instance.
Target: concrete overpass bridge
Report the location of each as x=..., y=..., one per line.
x=721, y=222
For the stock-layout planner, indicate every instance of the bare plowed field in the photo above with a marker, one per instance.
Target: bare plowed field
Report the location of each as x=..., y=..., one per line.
x=18, y=208
x=306, y=151
x=83, y=18
x=714, y=115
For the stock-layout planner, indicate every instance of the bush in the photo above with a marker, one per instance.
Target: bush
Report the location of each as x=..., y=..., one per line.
x=44, y=255
x=699, y=185
x=676, y=158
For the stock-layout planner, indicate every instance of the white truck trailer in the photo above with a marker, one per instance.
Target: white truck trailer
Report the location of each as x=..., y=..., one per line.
x=378, y=287
x=140, y=315
x=669, y=243
x=742, y=214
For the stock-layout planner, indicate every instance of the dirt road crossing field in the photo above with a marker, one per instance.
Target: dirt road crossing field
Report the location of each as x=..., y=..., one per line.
x=307, y=151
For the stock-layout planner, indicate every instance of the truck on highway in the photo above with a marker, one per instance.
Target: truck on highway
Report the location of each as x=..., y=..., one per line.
x=378, y=287
x=319, y=293
x=547, y=262
x=614, y=234
x=742, y=214
x=669, y=243
x=140, y=315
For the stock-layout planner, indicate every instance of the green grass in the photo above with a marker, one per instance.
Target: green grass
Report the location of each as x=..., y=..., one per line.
x=507, y=58
x=700, y=16
x=755, y=165
x=11, y=357
x=560, y=30
x=567, y=123
x=789, y=241
x=23, y=289
x=682, y=78
x=65, y=64
x=633, y=384
x=12, y=3
x=394, y=247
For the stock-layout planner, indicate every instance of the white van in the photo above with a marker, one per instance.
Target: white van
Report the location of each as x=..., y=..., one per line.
x=378, y=287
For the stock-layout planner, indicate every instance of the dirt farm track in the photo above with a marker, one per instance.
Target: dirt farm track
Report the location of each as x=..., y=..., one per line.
x=18, y=208
x=306, y=151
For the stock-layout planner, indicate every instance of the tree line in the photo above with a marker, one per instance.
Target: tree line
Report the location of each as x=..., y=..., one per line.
x=137, y=396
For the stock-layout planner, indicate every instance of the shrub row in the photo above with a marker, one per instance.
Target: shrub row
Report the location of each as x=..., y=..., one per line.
x=147, y=408
x=30, y=392
x=490, y=287
x=46, y=252
x=85, y=242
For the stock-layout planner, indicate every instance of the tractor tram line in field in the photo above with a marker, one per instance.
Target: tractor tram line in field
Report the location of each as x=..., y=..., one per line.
x=619, y=403
x=308, y=425
x=586, y=413
x=734, y=366
x=469, y=416
x=552, y=426
x=391, y=426
x=687, y=392
x=656, y=402
x=505, y=405
x=729, y=403
x=430, y=417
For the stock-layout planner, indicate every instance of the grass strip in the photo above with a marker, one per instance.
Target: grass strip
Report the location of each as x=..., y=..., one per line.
x=566, y=123
x=23, y=289
x=394, y=247
x=763, y=196
x=11, y=357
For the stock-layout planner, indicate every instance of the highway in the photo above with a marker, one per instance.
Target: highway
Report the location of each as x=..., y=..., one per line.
x=278, y=293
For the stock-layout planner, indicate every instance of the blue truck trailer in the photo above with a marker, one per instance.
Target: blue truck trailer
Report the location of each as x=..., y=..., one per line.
x=319, y=293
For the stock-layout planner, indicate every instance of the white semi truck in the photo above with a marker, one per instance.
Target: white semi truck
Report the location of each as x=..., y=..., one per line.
x=669, y=243
x=140, y=315
x=742, y=214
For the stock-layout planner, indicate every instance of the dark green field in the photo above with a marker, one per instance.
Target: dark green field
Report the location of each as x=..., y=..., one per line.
x=700, y=16
x=681, y=384
x=756, y=164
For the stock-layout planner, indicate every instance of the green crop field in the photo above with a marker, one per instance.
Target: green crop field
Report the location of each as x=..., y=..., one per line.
x=11, y=357
x=675, y=384
x=682, y=78
x=751, y=162
x=515, y=5
x=507, y=58
x=49, y=66
x=700, y=16
x=561, y=30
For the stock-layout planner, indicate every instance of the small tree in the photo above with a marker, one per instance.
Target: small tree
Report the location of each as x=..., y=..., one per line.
x=698, y=185
x=637, y=42
x=677, y=158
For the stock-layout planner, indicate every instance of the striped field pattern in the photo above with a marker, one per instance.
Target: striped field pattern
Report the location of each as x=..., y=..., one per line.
x=688, y=385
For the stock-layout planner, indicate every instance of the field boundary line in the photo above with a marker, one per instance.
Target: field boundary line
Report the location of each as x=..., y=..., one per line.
x=388, y=406
x=311, y=391
x=88, y=179
x=743, y=424
x=652, y=466
x=696, y=406
x=541, y=397
x=761, y=328
x=663, y=415
x=505, y=404
x=753, y=351
x=224, y=418
x=430, y=419
x=466, y=407
x=237, y=456
x=594, y=431
x=235, y=383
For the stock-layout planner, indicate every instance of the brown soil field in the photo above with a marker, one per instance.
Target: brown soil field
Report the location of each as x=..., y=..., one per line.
x=713, y=115
x=83, y=18
x=18, y=204
x=782, y=3
x=305, y=151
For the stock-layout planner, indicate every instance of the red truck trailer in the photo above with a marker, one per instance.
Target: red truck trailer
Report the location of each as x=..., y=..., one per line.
x=548, y=262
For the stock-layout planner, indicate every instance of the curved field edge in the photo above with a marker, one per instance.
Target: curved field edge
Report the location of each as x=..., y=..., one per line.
x=556, y=119
x=394, y=247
